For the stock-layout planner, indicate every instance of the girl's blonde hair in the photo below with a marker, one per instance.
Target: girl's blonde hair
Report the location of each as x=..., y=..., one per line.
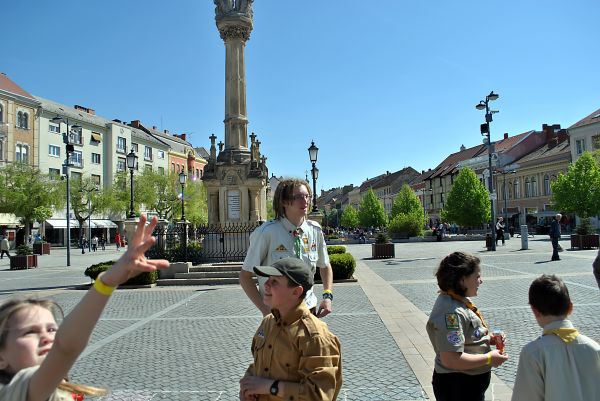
x=8, y=309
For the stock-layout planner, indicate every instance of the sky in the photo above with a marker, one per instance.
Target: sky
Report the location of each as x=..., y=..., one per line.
x=377, y=85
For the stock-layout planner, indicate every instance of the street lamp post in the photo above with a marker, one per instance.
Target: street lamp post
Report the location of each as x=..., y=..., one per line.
x=66, y=172
x=131, y=162
x=313, y=151
x=485, y=131
x=182, y=180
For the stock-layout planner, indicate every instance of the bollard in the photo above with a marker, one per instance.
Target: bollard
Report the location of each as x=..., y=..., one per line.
x=524, y=237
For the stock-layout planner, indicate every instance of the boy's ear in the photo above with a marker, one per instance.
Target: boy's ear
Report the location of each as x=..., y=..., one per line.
x=297, y=291
x=536, y=312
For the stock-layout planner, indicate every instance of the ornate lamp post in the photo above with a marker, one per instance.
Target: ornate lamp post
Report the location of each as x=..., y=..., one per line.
x=313, y=152
x=485, y=131
x=66, y=172
x=182, y=180
x=131, y=162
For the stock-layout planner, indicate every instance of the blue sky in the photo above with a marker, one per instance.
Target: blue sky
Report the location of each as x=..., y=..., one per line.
x=378, y=85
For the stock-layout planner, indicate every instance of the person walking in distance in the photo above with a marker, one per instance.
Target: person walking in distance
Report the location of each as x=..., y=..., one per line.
x=555, y=236
x=4, y=246
x=118, y=240
x=500, y=230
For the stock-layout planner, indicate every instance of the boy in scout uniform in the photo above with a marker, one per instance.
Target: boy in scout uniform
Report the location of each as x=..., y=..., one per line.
x=459, y=335
x=296, y=357
x=289, y=235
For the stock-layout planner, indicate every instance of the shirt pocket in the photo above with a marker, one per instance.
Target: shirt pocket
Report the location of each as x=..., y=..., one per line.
x=259, y=343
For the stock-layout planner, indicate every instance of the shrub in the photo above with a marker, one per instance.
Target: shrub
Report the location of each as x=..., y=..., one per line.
x=407, y=224
x=382, y=238
x=342, y=264
x=336, y=249
x=142, y=279
x=332, y=236
x=24, y=250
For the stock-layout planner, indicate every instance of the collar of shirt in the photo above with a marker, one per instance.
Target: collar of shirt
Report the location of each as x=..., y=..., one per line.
x=291, y=227
x=559, y=324
x=293, y=315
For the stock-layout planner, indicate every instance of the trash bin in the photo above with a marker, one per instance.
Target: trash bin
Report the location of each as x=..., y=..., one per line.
x=488, y=241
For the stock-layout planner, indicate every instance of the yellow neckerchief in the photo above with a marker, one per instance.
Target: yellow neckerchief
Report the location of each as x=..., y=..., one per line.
x=467, y=303
x=567, y=334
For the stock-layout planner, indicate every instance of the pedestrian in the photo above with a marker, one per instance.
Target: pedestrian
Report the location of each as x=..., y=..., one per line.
x=562, y=364
x=103, y=242
x=291, y=234
x=118, y=240
x=4, y=247
x=303, y=358
x=500, y=230
x=459, y=335
x=82, y=242
x=94, y=243
x=555, y=236
x=31, y=367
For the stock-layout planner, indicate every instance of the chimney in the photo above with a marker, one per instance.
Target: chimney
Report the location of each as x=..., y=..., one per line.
x=462, y=147
x=387, y=172
x=154, y=127
x=506, y=135
x=117, y=120
x=86, y=109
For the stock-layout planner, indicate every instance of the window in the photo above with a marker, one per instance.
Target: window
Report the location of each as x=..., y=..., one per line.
x=122, y=144
x=197, y=173
x=579, y=146
x=546, y=185
x=96, y=137
x=527, y=188
x=22, y=153
x=147, y=153
x=54, y=173
x=1, y=149
x=95, y=158
x=22, y=120
x=134, y=147
x=96, y=180
x=77, y=136
x=173, y=167
x=160, y=154
x=77, y=159
x=534, y=188
x=1, y=114
x=148, y=167
x=121, y=164
x=161, y=170
x=517, y=190
x=178, y=168
x=54, y=128
x=76, y=176
x=54, y=150
x=200, y=176
x=595, y=142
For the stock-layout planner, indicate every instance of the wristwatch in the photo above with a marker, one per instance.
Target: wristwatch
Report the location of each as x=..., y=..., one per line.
x=328, y=295
x=274, y=388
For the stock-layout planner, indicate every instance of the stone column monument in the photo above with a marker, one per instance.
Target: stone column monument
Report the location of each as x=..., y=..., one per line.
x=236, y=177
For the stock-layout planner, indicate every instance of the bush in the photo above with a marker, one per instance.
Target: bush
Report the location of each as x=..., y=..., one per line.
x=332, y=236
x=407, y=224
x=382, y=238
x=142, y=279
x=585, y=227
x=342, y=264
x=336, y=249
x=24, y=250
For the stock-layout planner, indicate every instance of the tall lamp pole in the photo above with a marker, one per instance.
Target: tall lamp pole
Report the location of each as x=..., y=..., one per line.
x=131, y=162
x=182, y=180
x=66, y=172
x=485, y=131
x=313, y=152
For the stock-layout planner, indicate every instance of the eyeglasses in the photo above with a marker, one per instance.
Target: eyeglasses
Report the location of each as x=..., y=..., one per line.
x=297, y=197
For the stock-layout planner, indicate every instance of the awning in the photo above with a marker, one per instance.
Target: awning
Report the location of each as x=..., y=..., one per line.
x=9, y=219
x=96, y=137
x=103, y=224
x=62, y=223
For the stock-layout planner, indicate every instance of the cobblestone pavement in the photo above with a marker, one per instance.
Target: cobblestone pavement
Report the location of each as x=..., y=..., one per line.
x=193, y=343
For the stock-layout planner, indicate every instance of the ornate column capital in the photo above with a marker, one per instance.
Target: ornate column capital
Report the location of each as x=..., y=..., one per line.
x=229, y=32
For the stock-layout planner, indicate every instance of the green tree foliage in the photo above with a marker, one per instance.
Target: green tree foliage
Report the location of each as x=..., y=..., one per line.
x=371, y=212
x=578, y=191
x=406, y=202
x=28, y=193
x=87, y=199
x=159, y=193
x=196, y=207
x=407, y=224
x=468, y=202
x=270, y=211
x=349, y=217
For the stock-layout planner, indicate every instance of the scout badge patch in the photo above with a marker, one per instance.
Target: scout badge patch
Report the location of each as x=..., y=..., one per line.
x=454, y=337
x=281, y=248
x=451, y=321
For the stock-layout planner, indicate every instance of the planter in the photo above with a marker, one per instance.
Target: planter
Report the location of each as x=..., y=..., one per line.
x=382, y=251
x=23, y=262
x=41, y=248
x=588, y=241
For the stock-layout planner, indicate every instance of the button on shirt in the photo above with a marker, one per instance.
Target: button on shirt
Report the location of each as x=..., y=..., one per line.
x=274, y=240
x=298, y=348
x=452, y=327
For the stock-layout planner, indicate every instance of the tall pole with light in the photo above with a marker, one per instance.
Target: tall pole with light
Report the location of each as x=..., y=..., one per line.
x=485, y=131
x=66, y=173
x=88, y=192
x=131, y=162
x=182, y=180
x=313, y=152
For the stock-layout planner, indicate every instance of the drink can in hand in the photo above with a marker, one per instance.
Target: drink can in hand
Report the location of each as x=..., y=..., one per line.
x=498, y=337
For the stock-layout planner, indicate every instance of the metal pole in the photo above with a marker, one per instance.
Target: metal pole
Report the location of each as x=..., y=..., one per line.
x=182, y=205
x=89, y=223
x=491, y=178
x=314, y=208
x=68, y=208
x=131, y=212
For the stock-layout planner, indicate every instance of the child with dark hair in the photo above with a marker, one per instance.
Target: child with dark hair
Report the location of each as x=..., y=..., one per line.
x=459, y=335
x=561, y=364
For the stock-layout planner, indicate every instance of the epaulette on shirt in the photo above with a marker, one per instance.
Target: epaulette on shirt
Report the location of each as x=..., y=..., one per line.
x=313, y=223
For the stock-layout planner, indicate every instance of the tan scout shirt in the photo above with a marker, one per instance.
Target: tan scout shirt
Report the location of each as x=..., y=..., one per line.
x=298, y=348
x=452, y=327
x=17, y=389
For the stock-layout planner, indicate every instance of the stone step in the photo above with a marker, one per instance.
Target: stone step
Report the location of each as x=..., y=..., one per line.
x=216, y=268
x=197, y=281
x=207, y=274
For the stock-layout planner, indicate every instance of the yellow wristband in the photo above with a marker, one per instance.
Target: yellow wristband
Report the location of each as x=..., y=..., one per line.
x=327, y=292
x=489, y=359
x=103, y=288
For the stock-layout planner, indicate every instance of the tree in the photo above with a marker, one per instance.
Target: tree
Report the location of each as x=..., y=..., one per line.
x=349, y=217
x=87, y=199
x=408, y=216
x=406, y=202
x=371, y=212
x=28, y=193
x=468, y=202
x=270, y=211
x=196, y=206
x=578, y=191
x=159, y=193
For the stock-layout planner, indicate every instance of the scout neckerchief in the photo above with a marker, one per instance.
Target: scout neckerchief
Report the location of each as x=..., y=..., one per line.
x=467, y=303
x=567, y=334
x=297, y=243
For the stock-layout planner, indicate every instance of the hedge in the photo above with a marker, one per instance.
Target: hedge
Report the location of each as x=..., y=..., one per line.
x=336, y=249
x=342, y=264
x=144, y=278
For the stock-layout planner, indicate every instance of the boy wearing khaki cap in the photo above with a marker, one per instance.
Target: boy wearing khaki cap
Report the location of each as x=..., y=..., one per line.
x=296, y=357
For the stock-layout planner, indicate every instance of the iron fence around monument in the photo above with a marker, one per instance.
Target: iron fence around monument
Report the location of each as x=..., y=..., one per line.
x=212, y=243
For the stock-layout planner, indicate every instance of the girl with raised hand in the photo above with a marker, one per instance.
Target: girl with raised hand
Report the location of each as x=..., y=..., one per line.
x=36, y=355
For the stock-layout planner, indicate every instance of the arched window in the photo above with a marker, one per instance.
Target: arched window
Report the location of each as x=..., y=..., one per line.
x=1, y=113
x=25, y=121
x=510, y=189
x=534, y=187
x=527, y=188
x=517, y=190
x=546, y=185
x=19, y=119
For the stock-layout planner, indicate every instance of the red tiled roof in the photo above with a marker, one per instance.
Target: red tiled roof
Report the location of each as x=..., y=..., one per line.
x=505, y=144
x=449, y=165
x=8, y=85
x=592, y=118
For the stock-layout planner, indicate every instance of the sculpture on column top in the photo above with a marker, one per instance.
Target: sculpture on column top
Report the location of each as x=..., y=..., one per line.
x=227, y=8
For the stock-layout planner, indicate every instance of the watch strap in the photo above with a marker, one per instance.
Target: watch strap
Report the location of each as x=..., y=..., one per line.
x=274, y=387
